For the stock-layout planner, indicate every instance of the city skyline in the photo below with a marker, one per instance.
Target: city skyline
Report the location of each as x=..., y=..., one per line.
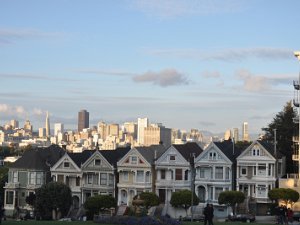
x=209, y=65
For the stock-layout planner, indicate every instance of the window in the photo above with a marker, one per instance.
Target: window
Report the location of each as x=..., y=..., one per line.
x=172, y=157
x=212, y=156
x=9, y=197
x=77, y=181
x=261, y=169
x=244, y=171
x=90, y=178
x=218, y=190
x=133, y=160
x=148, y=177
x=186, y=175
x=32, y=178
x=162, y=174
x=202, y=172
x=103, y=178
x=97, y=162
x=227, y=173
x=15, y=177
x=219, y=173
x=60, y=178
x=125, y=175
x=140, y=176
x=66, y=164
x=178, y=174
x=39, y=178
x=110, y=179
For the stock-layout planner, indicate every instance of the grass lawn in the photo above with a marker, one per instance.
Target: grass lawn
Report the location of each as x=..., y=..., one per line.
x=34, y=222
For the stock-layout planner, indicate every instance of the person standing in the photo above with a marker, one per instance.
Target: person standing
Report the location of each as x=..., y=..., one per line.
x=210, y=214
x=205, y=213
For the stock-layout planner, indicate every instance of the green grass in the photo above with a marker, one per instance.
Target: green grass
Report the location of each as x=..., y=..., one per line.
x=34, y=222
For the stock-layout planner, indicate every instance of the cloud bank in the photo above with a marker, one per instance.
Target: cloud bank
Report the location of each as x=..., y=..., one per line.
x=164, y=78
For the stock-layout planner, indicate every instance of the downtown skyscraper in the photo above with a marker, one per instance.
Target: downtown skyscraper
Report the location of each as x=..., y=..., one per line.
x=83, y=120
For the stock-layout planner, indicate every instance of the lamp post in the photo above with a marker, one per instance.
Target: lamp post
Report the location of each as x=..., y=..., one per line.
x=297, y=55
x=192, y=164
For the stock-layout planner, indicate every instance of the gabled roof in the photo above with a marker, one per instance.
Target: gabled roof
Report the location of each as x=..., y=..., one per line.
x=151, y=153
x=270, y=148
x=231, y=152
x=113, y=156
x=39, y=158
x=186, y=150
x=80, y=157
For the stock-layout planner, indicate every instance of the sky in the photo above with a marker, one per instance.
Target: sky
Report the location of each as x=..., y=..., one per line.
x=204, y=64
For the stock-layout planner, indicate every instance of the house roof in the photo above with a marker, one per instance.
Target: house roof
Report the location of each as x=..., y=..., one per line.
x=151, y=153
x=231, y=152
x=270, y=148
x=113, y=156
x=189, y=148
x=39, y=158
x=80, y=157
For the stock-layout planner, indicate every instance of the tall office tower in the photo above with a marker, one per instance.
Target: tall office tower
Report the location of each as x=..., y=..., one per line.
x=113, y=130
x=58, y=128
x=47, y=125
x=83, y=120
x=227, y=134
x=27, y=126
x=236, y=135
x=42, y=132
x=245, y=132
x=157, y=134
x=102, y=130
x=142, y=124
x=14, y=124
x=131, y=127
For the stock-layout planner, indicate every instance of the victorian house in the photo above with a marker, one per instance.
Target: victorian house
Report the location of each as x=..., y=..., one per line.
x=27, y=174
x=173, y=170
x=215, y=173
x=256, y=174
x=137, y=173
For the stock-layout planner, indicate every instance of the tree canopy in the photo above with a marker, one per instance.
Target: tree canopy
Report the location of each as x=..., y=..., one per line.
x=150, y=199
x=99, y=203
x=183, y=198
x=287, y=195
x=53, y=196
x=285, y=129
x=231, y=198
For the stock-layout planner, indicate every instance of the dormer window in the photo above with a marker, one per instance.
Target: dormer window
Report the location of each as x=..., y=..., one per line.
x=255, y=152
x=66, y=165
x=97, y=162
x=212, y=156
x=133, y=160
x=172, y=158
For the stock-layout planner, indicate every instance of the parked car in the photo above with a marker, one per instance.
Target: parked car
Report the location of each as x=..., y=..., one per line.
x=241, y=217
x=296, y=216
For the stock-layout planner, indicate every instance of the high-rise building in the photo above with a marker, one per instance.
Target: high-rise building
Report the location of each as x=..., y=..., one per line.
x=47, y=125
x=142, y=124
x=227, y=134
x=131, y=128
x=236, y=135
x=42, y=132
x=28, y=126
x=245, y=132
x=102, y=130
x=113, y=130
x=83, y=120
x=157, y=134
x=58, y=128
x=14, y=124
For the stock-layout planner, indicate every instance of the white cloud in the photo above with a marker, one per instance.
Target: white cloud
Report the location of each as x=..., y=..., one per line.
x=164, y=78
x=3, y=108
x=227, y=55
x=211, y=74
x=175, y=8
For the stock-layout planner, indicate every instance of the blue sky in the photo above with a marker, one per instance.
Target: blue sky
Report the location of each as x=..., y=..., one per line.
x=205, y=64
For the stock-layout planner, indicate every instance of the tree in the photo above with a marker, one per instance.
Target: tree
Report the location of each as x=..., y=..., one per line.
x=3, y=180
x=150, y=199
x=287, y=195
x=231, y=198
x=182, y=199
x=53, y=197
x=30, y=199
x=285, y=129
x=99, y=203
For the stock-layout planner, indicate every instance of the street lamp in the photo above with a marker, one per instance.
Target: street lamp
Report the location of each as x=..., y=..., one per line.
x=297, y=87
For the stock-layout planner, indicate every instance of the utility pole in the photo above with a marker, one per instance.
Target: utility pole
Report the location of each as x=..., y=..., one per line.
x=192, y=164
x=276, y=158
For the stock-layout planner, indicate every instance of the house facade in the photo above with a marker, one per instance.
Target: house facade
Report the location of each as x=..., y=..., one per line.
x=256, y=175
x=137, y=173
x=27, y=174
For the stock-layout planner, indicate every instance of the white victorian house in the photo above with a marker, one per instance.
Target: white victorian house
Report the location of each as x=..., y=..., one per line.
x=173, y=170
x=256, y=174
x=136, y=172
x=215, y=173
